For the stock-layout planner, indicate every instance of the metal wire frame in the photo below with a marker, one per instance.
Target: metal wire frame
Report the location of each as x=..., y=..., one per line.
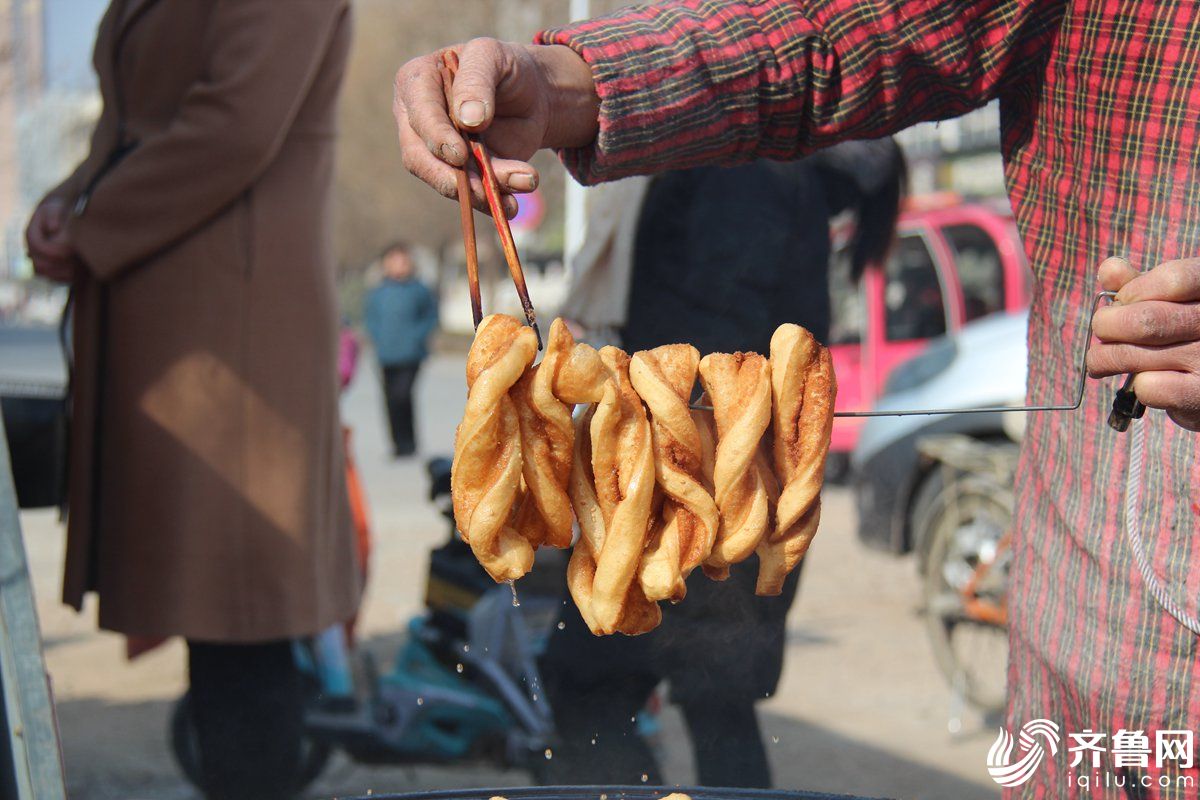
x=925, y=412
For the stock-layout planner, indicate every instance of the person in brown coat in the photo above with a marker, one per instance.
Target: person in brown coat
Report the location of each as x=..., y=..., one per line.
x=206, y=488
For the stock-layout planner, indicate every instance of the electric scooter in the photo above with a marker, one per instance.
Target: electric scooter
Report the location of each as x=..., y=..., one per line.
x=464, y=685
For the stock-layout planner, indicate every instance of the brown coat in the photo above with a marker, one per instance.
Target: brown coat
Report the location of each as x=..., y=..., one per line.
x=207, y=494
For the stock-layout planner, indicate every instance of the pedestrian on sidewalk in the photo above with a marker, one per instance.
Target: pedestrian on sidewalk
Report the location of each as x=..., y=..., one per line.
x=207, y=491
x=401, y=313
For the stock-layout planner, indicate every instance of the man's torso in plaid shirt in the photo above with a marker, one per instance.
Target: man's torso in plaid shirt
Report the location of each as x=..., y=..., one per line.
x=1100, y=104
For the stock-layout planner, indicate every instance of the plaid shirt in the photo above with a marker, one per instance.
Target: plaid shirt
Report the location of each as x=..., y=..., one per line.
x=1100, y=106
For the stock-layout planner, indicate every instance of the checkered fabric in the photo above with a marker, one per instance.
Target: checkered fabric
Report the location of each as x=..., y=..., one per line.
x=1100, y=106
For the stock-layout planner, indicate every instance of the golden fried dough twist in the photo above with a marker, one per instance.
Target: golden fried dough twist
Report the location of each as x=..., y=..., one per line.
x=581, y=568
x=764, y=463
x=569, y=373
x=803, y=389
x=623, y=466
x=612, y=491
x=739, y=386
x=486, y=474
x=684, y=537
x=707, y=429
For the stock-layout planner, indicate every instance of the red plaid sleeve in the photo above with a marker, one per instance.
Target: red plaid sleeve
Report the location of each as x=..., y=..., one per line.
x=686, y=82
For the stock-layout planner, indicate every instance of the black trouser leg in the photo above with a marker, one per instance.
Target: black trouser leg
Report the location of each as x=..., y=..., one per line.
x=596, y=686
x=597, y=742
x=398, y=380
x=728, y=745
x=248, y=709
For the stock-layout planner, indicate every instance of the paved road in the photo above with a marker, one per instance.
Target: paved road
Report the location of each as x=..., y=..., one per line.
x=861, y=708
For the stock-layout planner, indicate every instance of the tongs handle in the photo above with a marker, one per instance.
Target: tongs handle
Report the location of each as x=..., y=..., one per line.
x=466, y=213
x=491, y=190
x=1125, y=406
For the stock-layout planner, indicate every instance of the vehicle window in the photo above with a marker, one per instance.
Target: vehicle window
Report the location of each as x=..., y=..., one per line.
x=847, y=307
x=913, y=297
x=979, y=270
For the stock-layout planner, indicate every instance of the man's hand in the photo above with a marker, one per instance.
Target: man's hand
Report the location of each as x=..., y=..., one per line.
x=46, y=240
x=1153, y=330
x=521, y=98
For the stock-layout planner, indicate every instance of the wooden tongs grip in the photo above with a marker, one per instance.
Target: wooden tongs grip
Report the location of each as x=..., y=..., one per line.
x=491, y=190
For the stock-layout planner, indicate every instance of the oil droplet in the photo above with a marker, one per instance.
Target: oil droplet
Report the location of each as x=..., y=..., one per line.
x=562, y=626
x=512, y=586
x=593, y=740
x=633, y=718
x=459, y=667
x=420, y=701
x=535, y=697
x=645, y=777
x=549, y=754
x=466, y=648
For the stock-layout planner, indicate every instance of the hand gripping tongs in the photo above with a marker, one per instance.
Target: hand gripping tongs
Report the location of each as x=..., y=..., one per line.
x=491, y=189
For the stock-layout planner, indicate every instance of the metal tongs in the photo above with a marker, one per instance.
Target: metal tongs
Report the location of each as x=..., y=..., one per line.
x=491, y=189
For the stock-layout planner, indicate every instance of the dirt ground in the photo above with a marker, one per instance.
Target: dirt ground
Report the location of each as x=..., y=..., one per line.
x=861, y=709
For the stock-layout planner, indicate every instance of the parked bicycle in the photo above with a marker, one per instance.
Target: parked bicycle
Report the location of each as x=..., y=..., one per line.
x=967, y=528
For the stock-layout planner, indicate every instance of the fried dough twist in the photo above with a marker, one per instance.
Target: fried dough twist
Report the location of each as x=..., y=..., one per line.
x=803, y=389
x=581, y=568
x=486, y=474
x=569, y=373
x=684, y=537
x=739, y=386
x=707, y=429
x=612, y=491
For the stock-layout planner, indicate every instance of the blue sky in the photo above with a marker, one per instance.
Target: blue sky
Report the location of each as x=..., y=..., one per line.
x=70, y=31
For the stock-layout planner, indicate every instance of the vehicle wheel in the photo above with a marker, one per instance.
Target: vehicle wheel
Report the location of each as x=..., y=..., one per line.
x=186, y=748
x=837, y=469
x=183, y=740
x=967, y=526
x=540, y=771
x=922, y=507
x=925, y=501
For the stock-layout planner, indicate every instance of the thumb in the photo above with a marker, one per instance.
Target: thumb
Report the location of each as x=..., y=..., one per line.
x=1115, y=272
x=53, y=216
x=481, y=63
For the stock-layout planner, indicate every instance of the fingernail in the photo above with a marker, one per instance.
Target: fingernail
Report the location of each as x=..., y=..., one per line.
x=471, y=113
x=450, y=153
x=522, y=182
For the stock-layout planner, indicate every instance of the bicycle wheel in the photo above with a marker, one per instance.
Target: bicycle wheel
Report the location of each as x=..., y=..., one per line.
x=185, y=746
x=967, y=556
